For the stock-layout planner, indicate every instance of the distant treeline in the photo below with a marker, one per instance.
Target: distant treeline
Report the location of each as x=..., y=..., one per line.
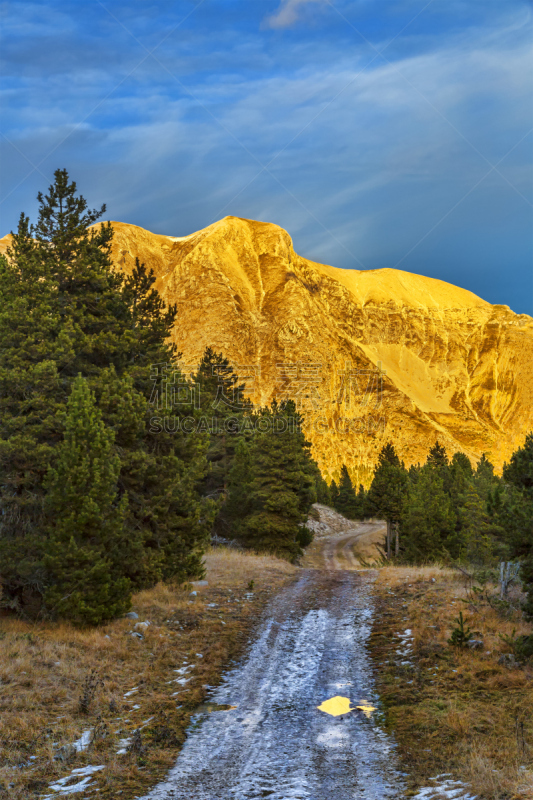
x=96, y=501
x=447, y=509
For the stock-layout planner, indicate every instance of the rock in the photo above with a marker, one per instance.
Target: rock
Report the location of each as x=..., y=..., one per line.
x=200, y=583
x=141, y=626
x=258, y=299
x=193, y=594
x=508, y=660
x=65, y=753
x=136, y=635
x=132, y=615
x=475, y=644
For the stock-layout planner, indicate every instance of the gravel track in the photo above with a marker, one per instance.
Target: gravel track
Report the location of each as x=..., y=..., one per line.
x=276, y=744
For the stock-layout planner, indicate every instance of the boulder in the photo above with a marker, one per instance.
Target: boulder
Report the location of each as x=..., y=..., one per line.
x=508, y=660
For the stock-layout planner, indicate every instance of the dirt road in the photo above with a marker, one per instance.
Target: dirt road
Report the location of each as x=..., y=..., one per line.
x=274, y=742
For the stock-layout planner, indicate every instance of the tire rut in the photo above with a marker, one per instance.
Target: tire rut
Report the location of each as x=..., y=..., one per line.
x=276, y=744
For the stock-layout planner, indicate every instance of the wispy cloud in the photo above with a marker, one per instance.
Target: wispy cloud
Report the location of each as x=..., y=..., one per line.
x=388, y=154
x=288, y=13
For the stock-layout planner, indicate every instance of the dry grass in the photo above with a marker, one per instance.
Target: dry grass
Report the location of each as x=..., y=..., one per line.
x=454, y=710
x=44, y=670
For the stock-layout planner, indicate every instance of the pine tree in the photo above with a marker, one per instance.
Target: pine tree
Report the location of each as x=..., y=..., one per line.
x=386, y=494
x=517, y=514
x=362, y=501
x=346, y=501
x=478, y=546
x=86, y=519
x=485, y=480
x=428, y=519
x=388, y=486
x=437, y=456
x=280, y=487
x=65, y=311
x=388, y=455
x=519, y=471
x=322, y=489
x=224, y=404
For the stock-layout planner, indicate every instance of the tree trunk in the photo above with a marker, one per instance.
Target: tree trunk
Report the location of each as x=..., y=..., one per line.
x=397, y=541
x=389, y=537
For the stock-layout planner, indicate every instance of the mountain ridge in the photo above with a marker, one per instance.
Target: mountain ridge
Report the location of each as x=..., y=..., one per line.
x=402, y=357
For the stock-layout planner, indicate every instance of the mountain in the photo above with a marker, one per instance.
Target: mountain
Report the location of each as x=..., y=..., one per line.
x=370, y=356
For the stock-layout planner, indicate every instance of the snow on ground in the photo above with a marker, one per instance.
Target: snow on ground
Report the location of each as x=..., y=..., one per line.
x=445, y=787
x=62, y=787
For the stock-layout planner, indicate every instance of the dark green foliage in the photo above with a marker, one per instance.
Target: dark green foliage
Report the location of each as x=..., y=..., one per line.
x=323, y=494
x=362, y=502
x=437, y=456
x=272, y=487
x=428, y=521
x=523, y=649
x=478, y=546
x=461, y=634
x=453, y=512
x=388, y=456
x=518, y=513
x=65, y=311
x=389, y=485
x=224, y=404
x=461, y=464
x=519, y=471
x=346, y=500
x=86, y=519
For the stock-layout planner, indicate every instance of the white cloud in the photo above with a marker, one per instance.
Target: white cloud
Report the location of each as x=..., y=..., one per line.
x=288, y=13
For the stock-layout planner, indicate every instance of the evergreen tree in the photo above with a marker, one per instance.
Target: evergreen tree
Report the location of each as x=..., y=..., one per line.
x=386, y=494
x=478, y=546
x=428, y=519
x=517, y=515
x=224, y=404
x=388, y=455
x=64, y=310
x=437, y=456
x=86, y=519
x=361, y=508
x=321, y=486
x=280, y=485
x=333, y=493
x=519, y=471
x=485, y=480
x=461, y=463
x=346, y=500
x=388, y=486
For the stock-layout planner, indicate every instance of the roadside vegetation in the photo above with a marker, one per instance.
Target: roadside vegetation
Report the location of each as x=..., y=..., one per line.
x=450, y=511
x=72, y=697
x=464, y=710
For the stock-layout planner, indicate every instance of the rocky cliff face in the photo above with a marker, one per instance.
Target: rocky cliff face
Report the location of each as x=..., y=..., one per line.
x=370, y=356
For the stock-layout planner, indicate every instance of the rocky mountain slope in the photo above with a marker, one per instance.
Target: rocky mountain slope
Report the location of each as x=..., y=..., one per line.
x=370, y=356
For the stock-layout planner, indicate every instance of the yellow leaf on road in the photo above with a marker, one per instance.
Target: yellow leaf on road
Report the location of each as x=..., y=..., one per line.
x=336, y=706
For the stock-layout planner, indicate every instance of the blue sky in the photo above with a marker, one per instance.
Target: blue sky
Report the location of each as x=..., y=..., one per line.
x=379, y=134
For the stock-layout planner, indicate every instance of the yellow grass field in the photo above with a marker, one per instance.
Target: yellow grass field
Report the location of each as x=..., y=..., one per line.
x=129, y=684
x=453, y=709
